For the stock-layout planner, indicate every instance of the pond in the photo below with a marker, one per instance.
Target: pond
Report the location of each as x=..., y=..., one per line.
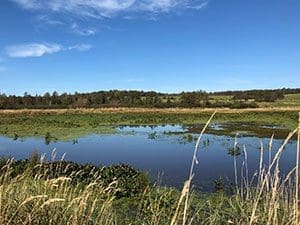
x=165, y=152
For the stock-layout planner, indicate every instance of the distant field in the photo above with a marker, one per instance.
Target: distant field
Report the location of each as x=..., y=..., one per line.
x=291, y=100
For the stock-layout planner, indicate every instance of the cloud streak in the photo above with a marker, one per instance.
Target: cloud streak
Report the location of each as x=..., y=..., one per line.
x=81, y=47
x=40, y=49
x=110, y=8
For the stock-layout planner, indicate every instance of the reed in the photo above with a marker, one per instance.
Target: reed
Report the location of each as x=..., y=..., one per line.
x=273, y=199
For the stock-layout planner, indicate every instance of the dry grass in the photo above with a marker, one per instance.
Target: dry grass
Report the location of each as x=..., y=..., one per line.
x=31, y=200
x=145, y=110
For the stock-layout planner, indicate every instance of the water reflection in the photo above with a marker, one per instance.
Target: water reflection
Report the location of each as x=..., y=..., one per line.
x=163, y=150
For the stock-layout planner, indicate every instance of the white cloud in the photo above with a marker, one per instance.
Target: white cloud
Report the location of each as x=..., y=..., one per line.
x=108, y=8
x=32, y=50
x=38, y=49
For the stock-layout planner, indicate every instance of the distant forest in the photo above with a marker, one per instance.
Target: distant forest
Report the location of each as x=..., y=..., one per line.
x=117, y=98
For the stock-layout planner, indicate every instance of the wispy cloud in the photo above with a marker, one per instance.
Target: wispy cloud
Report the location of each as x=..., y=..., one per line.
x=109, y=8
x=49, y=20
x=81, y=47
x=82, y=31
x=199, y=6
x=40, y=49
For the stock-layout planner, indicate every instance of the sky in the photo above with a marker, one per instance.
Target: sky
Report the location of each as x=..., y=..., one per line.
x=160, y=45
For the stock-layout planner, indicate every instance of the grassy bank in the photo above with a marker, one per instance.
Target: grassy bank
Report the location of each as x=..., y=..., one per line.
x=70, y=124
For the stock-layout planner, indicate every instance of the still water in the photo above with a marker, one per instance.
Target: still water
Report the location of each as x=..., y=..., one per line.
x=165, y=152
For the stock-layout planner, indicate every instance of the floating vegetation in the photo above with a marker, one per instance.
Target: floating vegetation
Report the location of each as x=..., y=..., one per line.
x=152, y=135
x=206, y=142
x=190, y=138
x=234, y=151
x=16, y=136
x=48, y=138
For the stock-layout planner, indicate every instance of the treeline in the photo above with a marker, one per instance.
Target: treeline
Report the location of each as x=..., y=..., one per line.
x=113, y=98
x=117, y=98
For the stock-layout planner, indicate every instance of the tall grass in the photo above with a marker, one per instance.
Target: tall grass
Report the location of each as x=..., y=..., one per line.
x=266, y=198
x=272, y=200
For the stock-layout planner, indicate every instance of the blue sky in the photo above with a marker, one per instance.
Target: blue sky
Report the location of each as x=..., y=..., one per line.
x=161, y=45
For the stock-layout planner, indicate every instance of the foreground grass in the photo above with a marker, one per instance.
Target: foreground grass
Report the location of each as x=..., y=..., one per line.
x=68, y=193
x=71, y=124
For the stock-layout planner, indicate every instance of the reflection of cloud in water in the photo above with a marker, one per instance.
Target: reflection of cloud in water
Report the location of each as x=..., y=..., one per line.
x=168, y=151
x=216, y=126
x=151, y=129
x=157, y=132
